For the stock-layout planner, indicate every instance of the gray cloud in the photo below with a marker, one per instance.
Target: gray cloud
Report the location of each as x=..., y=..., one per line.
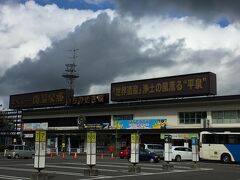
x=207, y=9
x=107, y=49
x=219, y=61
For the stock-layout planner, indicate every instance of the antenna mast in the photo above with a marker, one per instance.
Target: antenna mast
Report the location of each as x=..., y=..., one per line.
x=70, y=73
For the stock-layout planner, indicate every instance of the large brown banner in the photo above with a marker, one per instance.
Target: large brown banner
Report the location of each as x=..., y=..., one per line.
x=174, y=86
x=40, y=99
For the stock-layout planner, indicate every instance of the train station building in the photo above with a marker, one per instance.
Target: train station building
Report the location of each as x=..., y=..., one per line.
x=181, y=106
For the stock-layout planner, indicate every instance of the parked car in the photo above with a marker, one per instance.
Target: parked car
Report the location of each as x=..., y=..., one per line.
x=146, y=155
x=180, y=153
x=19, y=151
x=124, y=152
x=156, y=148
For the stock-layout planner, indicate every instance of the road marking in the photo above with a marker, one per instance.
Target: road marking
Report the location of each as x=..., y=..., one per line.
x=143, y=166
x=145, y=174
x=12, y=177
x=67, y=167
x=99, y=177
x=99, y=165
x=105, y=164
x=142, y=174
x=118, y=166
x=45, y=171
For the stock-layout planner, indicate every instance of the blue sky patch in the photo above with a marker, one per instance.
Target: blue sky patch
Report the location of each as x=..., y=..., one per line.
x=223, y=22
x=75, y=4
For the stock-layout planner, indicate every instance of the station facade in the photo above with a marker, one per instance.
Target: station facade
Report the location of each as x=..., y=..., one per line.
x=182, y=106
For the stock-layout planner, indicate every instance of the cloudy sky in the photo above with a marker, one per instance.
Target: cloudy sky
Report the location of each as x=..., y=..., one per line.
x=118, y=40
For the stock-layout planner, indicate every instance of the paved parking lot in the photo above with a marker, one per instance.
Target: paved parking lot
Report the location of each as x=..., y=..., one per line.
x=72, y=169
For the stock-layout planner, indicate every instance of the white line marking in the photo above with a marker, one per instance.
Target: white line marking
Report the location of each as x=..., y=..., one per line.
x=12, y=177
x=67, y=167
x=46, y=171
x=144, y=174
x=143, y=166
x=105, y=165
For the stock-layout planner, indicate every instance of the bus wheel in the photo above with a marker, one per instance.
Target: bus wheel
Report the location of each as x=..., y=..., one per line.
x=226, y=158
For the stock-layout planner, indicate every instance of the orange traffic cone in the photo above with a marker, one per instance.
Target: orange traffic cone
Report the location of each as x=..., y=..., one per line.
x=112, y=156
x=75, y=156
x=102, y=155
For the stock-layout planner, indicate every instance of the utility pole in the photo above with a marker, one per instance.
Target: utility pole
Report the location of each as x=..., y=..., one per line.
x=70, y=73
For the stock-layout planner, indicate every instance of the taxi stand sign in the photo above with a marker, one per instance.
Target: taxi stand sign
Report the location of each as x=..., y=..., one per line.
x=91, y=137
x=134, y=148
x=40, y=149
x=195, y=154
x=168, y=148
x=40, y=136
x=91, y=148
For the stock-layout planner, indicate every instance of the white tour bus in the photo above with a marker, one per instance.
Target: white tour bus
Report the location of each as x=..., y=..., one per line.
x=224, y=146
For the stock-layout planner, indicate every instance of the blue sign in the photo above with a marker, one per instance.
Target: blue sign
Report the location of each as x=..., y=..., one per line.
x=141, y=124
x=194, y=141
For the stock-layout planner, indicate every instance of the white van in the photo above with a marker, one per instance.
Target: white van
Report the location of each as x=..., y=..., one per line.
x=19, y=151
x=156, y=148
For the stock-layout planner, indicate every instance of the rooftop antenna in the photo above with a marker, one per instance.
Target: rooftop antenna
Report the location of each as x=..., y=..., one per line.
x=70, y=73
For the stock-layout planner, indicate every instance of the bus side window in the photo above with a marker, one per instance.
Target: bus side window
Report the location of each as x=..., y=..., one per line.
x=208, y=139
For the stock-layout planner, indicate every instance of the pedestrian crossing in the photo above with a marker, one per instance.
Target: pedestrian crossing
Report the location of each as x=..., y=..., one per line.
x=72, y=170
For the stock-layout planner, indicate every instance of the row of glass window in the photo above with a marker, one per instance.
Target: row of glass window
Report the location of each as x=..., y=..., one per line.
x=191, y=117
x=218, y=117
x=232, y=116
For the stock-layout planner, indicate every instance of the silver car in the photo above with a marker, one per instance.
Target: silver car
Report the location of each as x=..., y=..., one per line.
x=19, y=151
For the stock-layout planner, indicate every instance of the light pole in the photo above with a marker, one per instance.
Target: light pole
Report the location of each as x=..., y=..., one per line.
x=116, y=142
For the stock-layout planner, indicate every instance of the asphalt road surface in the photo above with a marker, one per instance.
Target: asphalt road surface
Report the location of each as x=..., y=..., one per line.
x=117, y=169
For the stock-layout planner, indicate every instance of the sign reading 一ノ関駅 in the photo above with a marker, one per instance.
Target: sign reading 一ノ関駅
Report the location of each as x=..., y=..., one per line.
x=90, y=99
x=172, y=86
x=40, y=99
